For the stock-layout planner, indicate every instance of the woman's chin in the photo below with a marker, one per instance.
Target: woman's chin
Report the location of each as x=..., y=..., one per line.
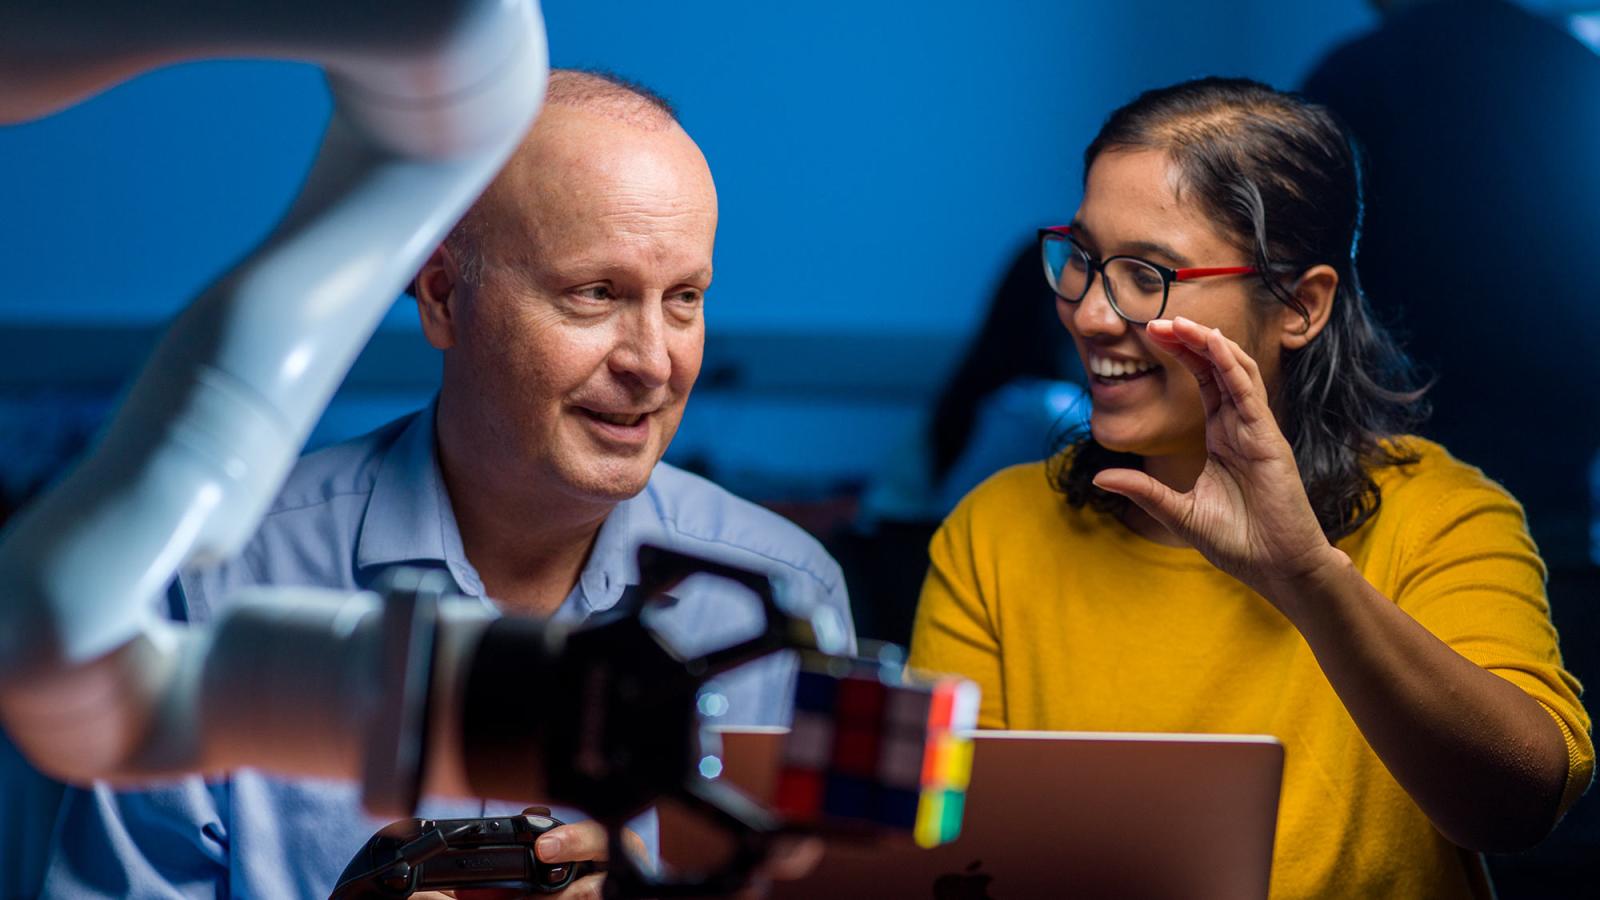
x=1142, y=442
x=1117, y=440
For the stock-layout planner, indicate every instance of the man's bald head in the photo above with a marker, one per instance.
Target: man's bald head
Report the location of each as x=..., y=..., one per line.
x=599, y=94
x=609, y=95
x=569, y=305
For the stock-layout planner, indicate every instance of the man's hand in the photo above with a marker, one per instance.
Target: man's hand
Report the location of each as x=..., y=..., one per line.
x=572, y=843
x=791, y=858
x=575, y=843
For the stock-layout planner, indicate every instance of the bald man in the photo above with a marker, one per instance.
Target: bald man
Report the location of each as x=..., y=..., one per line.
x=569, y=307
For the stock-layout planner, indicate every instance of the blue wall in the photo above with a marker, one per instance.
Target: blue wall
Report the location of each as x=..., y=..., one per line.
x=877, y=164
x=876, y=161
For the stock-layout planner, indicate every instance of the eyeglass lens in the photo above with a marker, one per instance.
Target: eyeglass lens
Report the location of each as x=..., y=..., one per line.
x=1137, y=288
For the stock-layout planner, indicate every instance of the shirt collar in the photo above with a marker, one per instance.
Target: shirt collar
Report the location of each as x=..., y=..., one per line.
x=409, y=520
x=612, y=565
x=408, y=517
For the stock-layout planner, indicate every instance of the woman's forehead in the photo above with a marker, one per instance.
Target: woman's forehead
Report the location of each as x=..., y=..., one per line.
x=1138, y=198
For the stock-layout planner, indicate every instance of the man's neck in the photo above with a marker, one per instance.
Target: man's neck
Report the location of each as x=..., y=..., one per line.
x=528, y=547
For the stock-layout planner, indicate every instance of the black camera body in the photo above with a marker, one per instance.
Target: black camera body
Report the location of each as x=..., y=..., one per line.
x=414, y=855
x=611, y=730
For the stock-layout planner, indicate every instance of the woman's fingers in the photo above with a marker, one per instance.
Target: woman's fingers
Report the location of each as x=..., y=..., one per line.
x=1235, y=378
x=1241, y=376
x=1161, y=331
x=1236, y=374
x=1162, y=503
x=1166, y=333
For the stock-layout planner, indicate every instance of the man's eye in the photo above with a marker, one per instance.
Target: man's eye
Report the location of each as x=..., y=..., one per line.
x=594, y=292
x=690, y=297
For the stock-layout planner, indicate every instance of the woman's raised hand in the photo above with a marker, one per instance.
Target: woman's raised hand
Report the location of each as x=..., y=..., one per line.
x=1248, y=512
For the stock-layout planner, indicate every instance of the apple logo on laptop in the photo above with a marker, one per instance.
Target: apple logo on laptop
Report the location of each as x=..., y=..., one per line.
x=968, y=885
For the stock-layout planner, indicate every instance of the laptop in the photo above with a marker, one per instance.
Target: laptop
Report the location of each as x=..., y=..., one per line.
x=1056, y=814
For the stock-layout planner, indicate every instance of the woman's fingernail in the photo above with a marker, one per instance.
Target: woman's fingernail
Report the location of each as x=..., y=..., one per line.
x=547, y=847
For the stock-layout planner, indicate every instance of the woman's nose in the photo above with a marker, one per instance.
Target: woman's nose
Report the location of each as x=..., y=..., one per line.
x=1094, y=314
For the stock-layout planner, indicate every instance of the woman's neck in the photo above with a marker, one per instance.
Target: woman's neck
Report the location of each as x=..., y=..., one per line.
x=1177, y=471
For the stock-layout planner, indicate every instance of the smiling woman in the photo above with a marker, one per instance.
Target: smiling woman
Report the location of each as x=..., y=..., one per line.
x=1248, y=539
x=1231, y=161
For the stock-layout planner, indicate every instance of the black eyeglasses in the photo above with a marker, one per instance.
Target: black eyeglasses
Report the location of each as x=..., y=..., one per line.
x=1137, y=288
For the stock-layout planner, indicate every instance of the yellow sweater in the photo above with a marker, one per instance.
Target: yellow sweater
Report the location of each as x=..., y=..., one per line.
x=1070, y=621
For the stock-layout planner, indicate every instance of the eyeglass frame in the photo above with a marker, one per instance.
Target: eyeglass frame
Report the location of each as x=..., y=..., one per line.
x=1168, y=274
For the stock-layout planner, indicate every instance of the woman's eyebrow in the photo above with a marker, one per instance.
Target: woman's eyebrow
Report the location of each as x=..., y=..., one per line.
x=1153, y=248
x=1134, y=248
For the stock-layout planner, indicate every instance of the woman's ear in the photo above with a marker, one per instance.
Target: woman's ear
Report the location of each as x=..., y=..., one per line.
x=1316, y=290
x=438, y=289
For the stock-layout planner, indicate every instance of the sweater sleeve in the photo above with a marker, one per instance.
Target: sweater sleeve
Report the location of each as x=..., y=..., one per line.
x=955, y=629
x=1471, y=575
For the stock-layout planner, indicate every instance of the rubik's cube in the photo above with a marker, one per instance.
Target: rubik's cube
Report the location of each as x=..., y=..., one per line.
x=867, y=751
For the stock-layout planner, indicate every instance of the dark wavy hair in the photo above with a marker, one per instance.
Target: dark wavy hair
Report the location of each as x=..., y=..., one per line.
x=1283, y=180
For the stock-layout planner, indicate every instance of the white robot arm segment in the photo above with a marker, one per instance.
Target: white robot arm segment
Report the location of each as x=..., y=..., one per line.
x=431, y=97
x=426, y=79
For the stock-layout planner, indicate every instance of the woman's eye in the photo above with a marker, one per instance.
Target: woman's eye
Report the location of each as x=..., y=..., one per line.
x=1147, y=282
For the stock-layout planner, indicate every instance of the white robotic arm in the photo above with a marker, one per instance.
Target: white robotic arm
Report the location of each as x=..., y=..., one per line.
x=431, y=97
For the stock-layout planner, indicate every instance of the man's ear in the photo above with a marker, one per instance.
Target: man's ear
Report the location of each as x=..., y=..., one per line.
x=438, y=290
x=1317, y=289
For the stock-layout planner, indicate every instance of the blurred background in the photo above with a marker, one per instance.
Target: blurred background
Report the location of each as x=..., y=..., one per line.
x=881, y=168
x=877, y=164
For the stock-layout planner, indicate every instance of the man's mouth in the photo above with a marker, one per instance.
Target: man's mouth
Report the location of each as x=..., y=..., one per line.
x=621, y=419
x=1108, y=370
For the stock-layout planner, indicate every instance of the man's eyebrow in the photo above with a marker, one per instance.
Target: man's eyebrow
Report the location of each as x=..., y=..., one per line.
x=589, y=269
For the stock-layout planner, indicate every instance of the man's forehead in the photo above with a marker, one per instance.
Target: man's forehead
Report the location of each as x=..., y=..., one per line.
x=588, y=193
x=572, y=153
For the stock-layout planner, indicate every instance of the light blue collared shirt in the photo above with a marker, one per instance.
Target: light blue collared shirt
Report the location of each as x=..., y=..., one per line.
x=345, y=514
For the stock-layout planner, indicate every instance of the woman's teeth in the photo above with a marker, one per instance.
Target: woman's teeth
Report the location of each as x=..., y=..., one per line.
x=1106, y=367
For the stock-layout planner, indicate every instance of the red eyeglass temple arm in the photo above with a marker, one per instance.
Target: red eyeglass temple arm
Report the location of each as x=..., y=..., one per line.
x=1179, y=274
x=1186, y=274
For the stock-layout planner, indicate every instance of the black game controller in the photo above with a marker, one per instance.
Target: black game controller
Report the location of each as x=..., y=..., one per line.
x=444, y=854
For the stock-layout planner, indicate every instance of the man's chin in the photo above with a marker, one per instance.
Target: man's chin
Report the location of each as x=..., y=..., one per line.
x=614, y=484
x=610, y=473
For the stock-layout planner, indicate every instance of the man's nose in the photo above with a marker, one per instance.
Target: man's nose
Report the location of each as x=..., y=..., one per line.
x=1094, y=314
x=641, y=352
